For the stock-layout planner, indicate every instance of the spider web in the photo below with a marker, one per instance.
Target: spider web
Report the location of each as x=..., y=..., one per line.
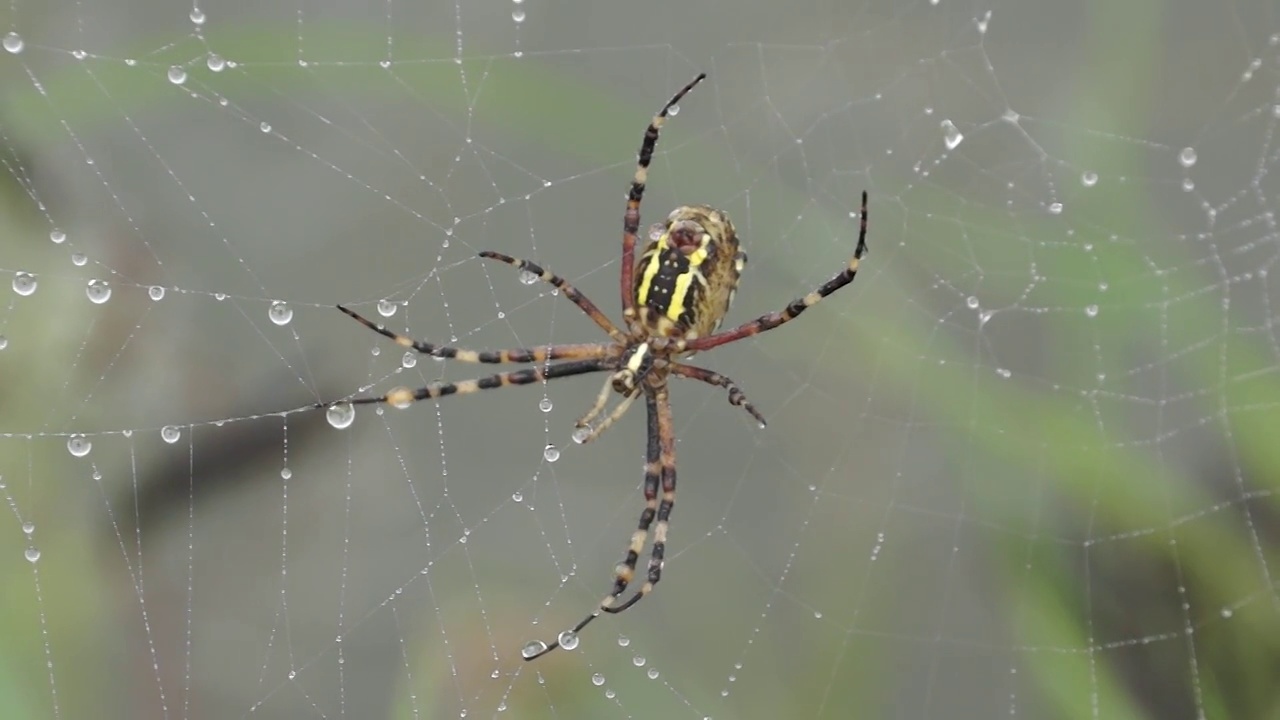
x=1025, y=465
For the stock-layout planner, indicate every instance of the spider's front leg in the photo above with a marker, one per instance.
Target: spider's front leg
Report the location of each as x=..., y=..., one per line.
x=516, y=355
x=574, y=295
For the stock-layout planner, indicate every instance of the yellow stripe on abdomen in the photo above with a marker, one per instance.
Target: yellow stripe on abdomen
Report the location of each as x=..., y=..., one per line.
x=680, y=292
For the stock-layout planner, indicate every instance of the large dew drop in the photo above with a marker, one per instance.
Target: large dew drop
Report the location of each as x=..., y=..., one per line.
x=280, y=313
x=533, y=649
x=568, y=639
x=340, y=415
x=98, y=291
x=24, y=283
x=79, y=445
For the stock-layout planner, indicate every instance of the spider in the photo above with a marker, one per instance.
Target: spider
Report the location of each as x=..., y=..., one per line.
x=673, y=301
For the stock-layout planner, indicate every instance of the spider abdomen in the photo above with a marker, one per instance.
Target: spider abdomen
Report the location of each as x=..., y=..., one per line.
x=687, y=275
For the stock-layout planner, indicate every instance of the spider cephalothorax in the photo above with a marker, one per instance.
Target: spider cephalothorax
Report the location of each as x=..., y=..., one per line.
x=673, y=301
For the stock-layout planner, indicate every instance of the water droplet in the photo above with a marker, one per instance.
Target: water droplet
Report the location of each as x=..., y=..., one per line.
x=79, y=259
x=177, y=75
x=13, y=43
x=532, y=649
x=79, y=445
x=384, y=64
x=527, y=277
x=972, y=302
x=545, y=405
x=216, y=62
x=1187, y=157
x=285, y=473
x=155, y=292
x=517, y=15
x=170, y=434
x=638, y=661
x=983, y=23
x=517, y=496
x=28, y=527
x=409, y=360
x=1055, y=208
x=386, y=308
x=340, y=415
x=656, y=230
x=597, y=679
x=1091, y=311
x=57, y=236
x=79, y=54
x=280, y=313
x=1227, y=613
x=197, y=16
x=568, y=639
x=623, y=641
x=673, y=110
x=551, y=453
x=219, y=296
x=32, y=554
x=652, y=674
x=1089, y=179
x=264, y=126
x=951, y=135
x=24, y=283
x=1004, y=372
x=98, y=291
x=581, y=435
x=4, y=342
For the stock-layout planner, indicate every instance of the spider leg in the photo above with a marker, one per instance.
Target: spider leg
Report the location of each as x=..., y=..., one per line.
x=601, y=399
x=631, y=219
x=736, y=396
x=403, y=396
x=659, y=405
x=660, y=449
x=515, y=355
x=595, y=431
x=569, y=291
x=772, y=320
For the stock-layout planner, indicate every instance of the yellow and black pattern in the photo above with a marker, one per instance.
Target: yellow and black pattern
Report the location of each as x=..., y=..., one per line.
x=674, y=298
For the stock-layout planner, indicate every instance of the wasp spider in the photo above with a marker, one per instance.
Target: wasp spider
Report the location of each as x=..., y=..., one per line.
x=673, y=301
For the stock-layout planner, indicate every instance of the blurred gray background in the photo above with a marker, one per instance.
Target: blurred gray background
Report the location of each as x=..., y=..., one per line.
x=1024, y=465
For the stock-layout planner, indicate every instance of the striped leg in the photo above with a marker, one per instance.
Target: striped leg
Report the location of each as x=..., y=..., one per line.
x=736, y=396
x=793, y=309
x=654, y=477
x=403, y=396
x=517, y=355
x=631, y=219
x=563, y=286
x=667, y=471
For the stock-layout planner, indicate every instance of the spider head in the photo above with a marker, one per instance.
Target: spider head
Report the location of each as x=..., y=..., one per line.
x=636, y=363
x=695, y=229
